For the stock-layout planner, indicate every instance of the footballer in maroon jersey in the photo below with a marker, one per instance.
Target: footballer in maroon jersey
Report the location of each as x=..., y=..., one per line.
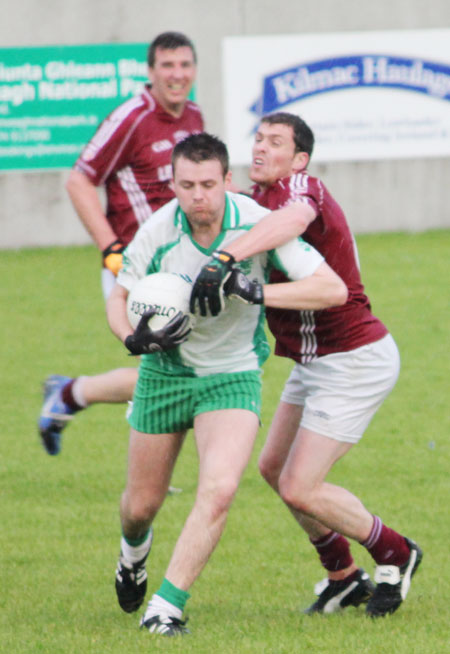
x=346, y=365
x=130, y=155
x=306, y=335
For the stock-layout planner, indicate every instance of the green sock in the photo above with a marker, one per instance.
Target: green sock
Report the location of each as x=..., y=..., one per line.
x=172, y=594
x=137, y=541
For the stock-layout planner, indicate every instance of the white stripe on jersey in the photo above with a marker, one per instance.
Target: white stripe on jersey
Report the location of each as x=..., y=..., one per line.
x=109, y=126
x=308, y=348
x=233, y=215
x=136, y=196
x=298, y=185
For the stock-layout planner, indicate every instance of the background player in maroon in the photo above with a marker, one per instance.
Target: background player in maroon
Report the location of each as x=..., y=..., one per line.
x=346, y=364
x=130, y=155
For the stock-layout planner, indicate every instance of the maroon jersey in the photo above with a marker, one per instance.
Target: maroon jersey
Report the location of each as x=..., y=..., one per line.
x=131, y=155
x=306, y=335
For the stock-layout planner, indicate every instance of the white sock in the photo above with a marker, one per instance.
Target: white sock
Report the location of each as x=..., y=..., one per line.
x=160, y=606
x=135, y=554
x=77, y=392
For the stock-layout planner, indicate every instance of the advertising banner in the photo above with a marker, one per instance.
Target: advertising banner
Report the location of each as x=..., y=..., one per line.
x=366, y=95
x=52, y=99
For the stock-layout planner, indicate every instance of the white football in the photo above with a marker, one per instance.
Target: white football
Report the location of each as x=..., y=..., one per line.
x=167, y=292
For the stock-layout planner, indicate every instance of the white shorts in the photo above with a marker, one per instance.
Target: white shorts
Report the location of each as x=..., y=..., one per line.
x=341, y=392
x=108, y=282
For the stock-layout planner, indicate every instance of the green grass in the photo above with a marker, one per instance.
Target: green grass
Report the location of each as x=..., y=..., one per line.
x=60, y=531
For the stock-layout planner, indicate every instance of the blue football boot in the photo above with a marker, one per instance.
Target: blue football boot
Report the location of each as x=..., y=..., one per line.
x=55, y=414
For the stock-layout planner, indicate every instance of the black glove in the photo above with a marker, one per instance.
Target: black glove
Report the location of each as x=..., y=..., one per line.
x=112, y=256
x=208, y=287
x=145, y=341
x=239, y=286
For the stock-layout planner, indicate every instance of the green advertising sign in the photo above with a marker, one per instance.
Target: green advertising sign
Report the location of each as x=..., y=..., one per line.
x=52, y=99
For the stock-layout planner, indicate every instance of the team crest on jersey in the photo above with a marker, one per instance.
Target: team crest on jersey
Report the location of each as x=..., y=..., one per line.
x=161, y=146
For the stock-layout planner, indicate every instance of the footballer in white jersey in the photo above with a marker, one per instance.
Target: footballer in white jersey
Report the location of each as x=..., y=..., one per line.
x=234, y=341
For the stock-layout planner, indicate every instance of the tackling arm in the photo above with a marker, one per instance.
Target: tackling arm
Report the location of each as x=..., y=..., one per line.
x=273, y=230
x=321, y=290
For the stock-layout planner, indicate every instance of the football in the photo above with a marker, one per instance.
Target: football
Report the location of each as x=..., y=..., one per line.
x=167, y=292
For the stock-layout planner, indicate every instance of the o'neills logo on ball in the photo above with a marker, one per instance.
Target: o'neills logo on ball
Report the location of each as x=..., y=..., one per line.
x=139, y=308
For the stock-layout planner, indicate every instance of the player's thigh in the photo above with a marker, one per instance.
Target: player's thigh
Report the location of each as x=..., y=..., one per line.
x=280, y=436
x=151, y=459
x=225, y=440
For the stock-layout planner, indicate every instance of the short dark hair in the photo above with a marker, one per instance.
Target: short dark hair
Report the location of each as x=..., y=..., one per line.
x=202, y=147
x=169, y=41
x=303, y=134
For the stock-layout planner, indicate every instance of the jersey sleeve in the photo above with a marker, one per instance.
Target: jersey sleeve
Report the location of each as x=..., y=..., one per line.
x=136, y=257
x=301, y=188
x=152, y=240
x=110, y=147
x=296, y=259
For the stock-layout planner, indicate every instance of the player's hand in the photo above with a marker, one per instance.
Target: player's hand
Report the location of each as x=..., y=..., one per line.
x=112, y=257
x=208, y=287
x=145, y=341
x=239, y=286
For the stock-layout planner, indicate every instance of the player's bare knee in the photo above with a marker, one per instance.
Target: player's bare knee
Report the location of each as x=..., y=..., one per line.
x=139, y=509
x=270, y=469
x=217, y=499
x=296, y=495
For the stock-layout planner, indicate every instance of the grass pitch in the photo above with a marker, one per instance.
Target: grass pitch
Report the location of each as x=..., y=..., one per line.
x=60, y=531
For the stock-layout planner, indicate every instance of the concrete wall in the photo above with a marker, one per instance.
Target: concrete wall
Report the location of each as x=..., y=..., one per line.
x=391, y=195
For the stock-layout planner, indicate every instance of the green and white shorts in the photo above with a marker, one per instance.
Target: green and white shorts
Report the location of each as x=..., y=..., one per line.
x=164, y=404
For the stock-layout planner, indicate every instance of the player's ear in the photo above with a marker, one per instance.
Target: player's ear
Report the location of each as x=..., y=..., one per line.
x=228, y=182
x=300, y=162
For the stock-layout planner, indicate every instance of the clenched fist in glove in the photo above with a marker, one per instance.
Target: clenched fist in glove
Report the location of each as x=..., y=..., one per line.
x=239, y=286
x=208, y=287
x=146, y=341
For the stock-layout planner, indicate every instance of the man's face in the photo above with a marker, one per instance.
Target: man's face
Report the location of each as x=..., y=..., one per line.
x=172, y=76
x=200, y=190
x=273, y=154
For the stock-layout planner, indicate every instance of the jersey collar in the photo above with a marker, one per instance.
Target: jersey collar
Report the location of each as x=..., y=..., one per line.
x=231, y=220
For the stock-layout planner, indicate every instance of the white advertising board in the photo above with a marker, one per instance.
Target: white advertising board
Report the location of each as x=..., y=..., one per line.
x=366, y=95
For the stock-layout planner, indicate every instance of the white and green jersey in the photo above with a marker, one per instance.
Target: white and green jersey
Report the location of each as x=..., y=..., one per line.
x=233, y=341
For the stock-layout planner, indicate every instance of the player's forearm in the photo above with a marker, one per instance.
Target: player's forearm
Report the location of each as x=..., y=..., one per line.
x=273, y=230
x=116, y=313
x=86, y=201
x=322, y=290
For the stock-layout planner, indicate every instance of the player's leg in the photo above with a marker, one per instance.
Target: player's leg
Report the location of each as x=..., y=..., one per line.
x=224, y=440
x=346, y=390
x=346, y=584
x=65, y=396
x=150, y=465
